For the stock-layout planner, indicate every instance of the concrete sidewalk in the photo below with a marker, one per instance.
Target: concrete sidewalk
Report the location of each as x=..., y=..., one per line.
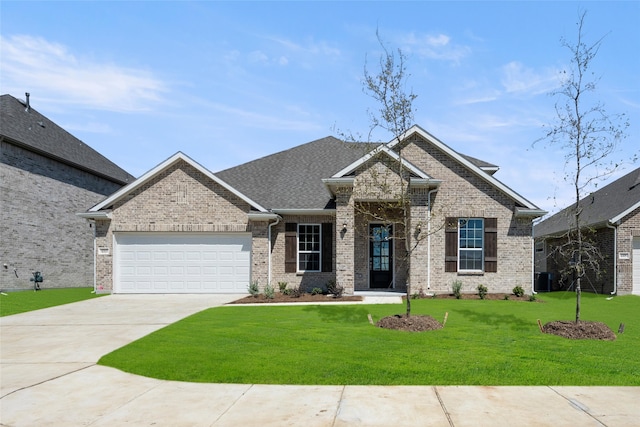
x=49, y=377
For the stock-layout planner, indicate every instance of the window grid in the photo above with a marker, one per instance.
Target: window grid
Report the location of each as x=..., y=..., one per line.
x=309, y=245
x=471, y=244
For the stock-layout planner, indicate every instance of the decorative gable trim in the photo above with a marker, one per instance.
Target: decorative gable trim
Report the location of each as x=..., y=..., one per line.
x=469, y=165
x=616, y=219
x=381, y=149
x=118, y=195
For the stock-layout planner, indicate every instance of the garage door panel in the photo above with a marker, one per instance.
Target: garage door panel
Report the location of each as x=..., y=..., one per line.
x=182, y=262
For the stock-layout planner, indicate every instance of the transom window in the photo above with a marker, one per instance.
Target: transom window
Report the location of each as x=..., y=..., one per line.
x=309, y=247
x=471, y=244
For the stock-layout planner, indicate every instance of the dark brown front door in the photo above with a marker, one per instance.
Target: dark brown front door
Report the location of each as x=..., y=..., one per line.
x=380, y=256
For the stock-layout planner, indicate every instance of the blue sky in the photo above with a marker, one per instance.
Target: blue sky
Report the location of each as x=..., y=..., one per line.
x=228, y=82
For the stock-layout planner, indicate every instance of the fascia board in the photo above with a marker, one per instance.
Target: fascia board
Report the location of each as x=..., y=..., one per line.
x=262, y=216
x=621, y=215
x=94, y=215
x=281, y=212
x=475, y=169
x=162, y=166
x=380, y=149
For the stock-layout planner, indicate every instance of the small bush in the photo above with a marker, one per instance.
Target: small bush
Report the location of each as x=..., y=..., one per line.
x=482, y=291
x=532, y=298
x=518, y=291
x=334, y=289
x=269, y=291
x=297, y=292
x=456, y=287
x=282, y=286
x=254, y=289
x=316, y=291
x=506, y=297
x=287, y=291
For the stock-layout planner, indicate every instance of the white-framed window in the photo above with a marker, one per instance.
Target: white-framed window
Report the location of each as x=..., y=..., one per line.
x=309, y=247
x=470, y=244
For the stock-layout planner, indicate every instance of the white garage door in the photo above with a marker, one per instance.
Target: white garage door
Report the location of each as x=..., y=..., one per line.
x=182, y=262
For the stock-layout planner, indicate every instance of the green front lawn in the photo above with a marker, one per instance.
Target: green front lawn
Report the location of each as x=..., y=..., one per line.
x=483, y=343
x=22, y=301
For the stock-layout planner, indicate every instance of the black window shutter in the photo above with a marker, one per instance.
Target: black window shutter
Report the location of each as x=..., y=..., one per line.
x=491, y=245
x=290, y=247
x=451, y=245
x=327, y=247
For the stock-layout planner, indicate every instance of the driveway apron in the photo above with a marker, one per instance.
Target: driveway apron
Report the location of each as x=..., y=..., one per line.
x=49, y=377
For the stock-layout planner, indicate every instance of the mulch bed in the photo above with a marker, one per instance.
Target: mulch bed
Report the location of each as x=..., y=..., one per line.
x=489, y=296
x=416, y=323
x=281, y=298
x=579, y=331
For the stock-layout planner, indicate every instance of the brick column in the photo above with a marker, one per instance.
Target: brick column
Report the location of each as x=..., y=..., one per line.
x=345, y=240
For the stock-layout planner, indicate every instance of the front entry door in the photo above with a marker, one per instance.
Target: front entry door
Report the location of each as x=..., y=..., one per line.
x=380, y=256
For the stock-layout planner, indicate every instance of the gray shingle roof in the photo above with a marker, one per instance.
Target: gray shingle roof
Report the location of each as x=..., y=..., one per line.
x=598, y=207
x=292, y=179
x=35, y=132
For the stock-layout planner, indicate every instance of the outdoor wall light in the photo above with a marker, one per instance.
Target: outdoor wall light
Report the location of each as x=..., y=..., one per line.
x=344, y=226
x=419, y=228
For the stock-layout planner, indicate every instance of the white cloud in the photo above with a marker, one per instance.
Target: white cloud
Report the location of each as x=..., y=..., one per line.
x=52, y=71
x=435, y=46
x=516, y=78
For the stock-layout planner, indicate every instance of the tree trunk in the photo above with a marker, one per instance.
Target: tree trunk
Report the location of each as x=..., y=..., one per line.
x=578, y=294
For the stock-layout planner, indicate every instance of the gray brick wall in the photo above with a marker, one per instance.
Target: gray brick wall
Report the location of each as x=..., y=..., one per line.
x=39, y=230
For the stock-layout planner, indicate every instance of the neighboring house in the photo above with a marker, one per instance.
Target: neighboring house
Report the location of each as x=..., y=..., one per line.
x=291, y=217
x=47, y=176
x=611, y=217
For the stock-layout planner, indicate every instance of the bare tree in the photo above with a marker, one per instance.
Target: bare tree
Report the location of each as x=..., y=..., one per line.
x=587, y=135
x=385, y=193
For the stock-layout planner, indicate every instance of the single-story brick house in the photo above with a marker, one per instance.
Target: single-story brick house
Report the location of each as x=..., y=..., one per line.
x=47, y=175
x=295, y=217
x=611, y=217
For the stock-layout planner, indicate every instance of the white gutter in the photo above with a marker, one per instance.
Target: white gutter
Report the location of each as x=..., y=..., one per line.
x=615, y=258
x=278, y=218
x=429, y=237
x=331, y=212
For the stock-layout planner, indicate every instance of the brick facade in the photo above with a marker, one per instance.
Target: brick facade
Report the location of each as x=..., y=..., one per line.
x=615, y=271
x=181, y=198
x=39, y=229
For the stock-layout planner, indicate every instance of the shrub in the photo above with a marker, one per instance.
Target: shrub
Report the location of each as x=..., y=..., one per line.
x=456, y=287
x=316, y=291
x=518, y=291
x=287, y=291
x=297, y=292
x=254, y=289
x=282, y=286
x=482, y=291
x=506, y=297
x=334, y=289
x=269, y=291
x=532, y=298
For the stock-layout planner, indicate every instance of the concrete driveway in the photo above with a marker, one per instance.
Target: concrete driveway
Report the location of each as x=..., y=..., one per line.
x=50, y=377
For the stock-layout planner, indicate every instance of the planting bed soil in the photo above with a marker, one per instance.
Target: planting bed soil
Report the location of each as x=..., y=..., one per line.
x=579, y=331
x=282, y=298
x=415, y=323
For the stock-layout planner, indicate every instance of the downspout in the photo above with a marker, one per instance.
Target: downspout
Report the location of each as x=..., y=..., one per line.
x=615, y=258
x=269, y=253
x=95, y=258
x=429, y=237
x=533, y=255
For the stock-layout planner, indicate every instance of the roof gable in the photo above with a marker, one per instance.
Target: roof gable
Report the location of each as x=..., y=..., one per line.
x=179, y=156
x=25, y=127
x=482, y=169
x=608, y=205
